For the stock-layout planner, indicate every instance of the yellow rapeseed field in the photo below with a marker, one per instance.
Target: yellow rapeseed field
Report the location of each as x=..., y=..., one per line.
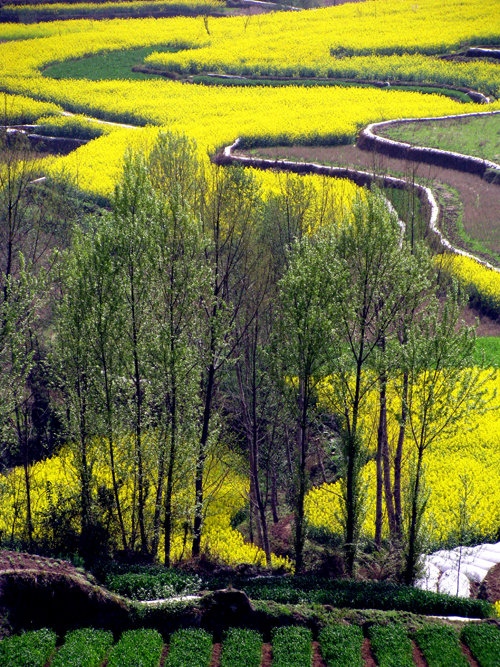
x=461, y=472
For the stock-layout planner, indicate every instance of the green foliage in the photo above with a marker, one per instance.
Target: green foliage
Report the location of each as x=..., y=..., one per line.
x=292, y=647
x=85, y=647
x=153, y=586
x=31, y=649
x=75, y=127
x=241, y=647
x=341, y=645
x=189, y=648
x=359, y=595
x=484, y=643
x=487, y=351
x=391, y=645
x=137, y=648
x=104, y=66
x=440, y=646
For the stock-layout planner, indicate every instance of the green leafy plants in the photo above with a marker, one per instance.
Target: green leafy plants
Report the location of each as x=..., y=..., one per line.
x=189, y=648
x=391, y=645
x=292, y=647
x=241, y=647
x=341, y=645
x=153, y=585
x=440, y=646
x=137, y=648
x=31, y=649
x=85, y=647
x=484, y=643
x=358, y=595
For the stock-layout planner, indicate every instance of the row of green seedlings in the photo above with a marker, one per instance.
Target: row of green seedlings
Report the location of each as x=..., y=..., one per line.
x=340, y=645
x=147, y=583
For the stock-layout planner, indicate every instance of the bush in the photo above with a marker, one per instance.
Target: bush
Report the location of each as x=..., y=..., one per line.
x=189, y=648
x=31, y=649
x=484, y=643
x=341, y=645
x=137, y=648
x=440, y=646
x=153, y=585
x=359, y=595
x=241, y=647
x=292, y=647
x=74, y=127
x=85, y=647
x=391, y=645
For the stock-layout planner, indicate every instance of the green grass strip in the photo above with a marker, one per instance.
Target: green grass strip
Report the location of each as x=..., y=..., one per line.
x=31, y=649
x=292, y=647
x=484, y=643
x=440, y=646
x=85, y=647
x=137, y=648
x=341, y=645
x=189, y=648
x=241, y=648
x=391, y=645
x=487, y=351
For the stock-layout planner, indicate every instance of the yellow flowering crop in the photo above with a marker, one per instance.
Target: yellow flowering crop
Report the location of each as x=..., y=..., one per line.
x=482, y=281
x=462, y=472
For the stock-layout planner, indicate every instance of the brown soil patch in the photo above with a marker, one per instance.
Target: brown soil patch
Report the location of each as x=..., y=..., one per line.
x=480, y=199
x=12, y=560
x=418, y=656
x=490, y=586
x=367, y=655
x=163, y=658
x=216, y=653
x=267, y=656
x=317, y=660
x=487, y=326
x=468, y=655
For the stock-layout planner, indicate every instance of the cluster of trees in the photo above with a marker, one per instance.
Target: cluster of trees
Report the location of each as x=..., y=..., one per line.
x=201, y=311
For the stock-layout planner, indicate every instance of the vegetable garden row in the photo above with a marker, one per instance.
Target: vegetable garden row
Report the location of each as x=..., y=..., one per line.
x=291, y=646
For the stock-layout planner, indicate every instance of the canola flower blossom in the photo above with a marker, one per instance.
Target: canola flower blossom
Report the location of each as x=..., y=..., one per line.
x=54, y=483
x=462, y=473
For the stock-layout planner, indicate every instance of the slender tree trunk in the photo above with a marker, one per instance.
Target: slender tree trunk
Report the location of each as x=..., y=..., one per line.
x=301, y=481
x=200, y=463
x=170, y=476
x=413, y=530
x=398, y=512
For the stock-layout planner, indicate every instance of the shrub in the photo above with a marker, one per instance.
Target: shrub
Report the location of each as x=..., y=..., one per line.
x=341, y=645
x=292, y=647
x=85, y=647
x=153, y=585
x=31, y=649
x=440, y=646
x=137, y=648
x=241, y=647
x=189, y=648
x=484, y=643
x=391, y=645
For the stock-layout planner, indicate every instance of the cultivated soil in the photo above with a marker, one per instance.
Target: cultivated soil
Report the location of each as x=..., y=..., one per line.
x=480, y=199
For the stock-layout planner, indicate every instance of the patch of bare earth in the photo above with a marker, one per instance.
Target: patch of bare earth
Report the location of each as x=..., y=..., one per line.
x=468, y=656
x=487, y=326
x=267, y=656
x=216, y=653
x=490, y=586
x=418, y=656
x=317, y=660
x=367, y=654
x=481, y=218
